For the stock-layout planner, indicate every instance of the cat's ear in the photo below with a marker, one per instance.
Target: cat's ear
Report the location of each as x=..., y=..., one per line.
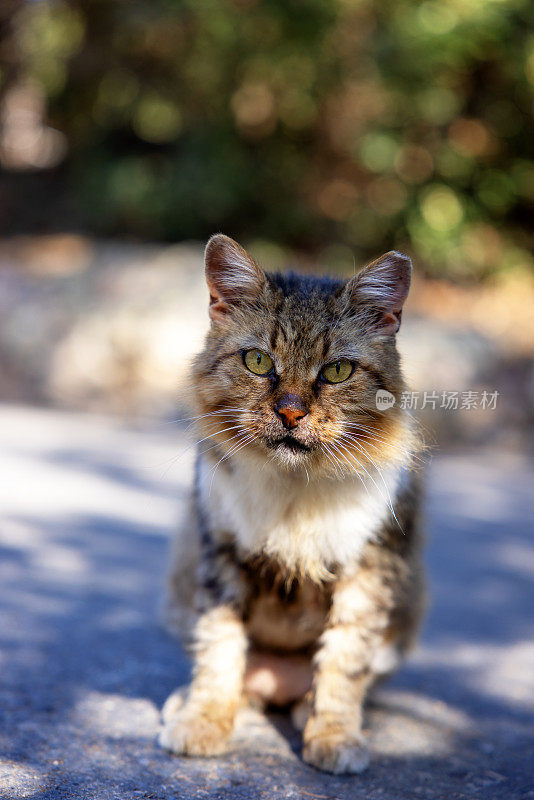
x=232, y=275
x=383, y=285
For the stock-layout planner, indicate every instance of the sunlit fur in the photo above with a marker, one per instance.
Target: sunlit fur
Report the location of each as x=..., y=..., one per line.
x=299, y=545
x=302, y=324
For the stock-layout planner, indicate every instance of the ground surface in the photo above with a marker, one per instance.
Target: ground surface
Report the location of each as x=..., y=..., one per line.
x=87, y=508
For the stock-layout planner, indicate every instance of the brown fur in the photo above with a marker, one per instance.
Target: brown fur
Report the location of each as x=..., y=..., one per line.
x=283, y=556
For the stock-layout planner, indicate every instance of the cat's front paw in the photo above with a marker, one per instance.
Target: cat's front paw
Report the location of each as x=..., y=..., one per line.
x=191, y=733
x=330, y=746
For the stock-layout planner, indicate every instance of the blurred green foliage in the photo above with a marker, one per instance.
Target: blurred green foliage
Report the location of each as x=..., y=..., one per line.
x=337, y=126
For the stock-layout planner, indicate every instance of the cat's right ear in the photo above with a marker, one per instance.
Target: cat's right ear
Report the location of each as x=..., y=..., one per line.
x=232, y=275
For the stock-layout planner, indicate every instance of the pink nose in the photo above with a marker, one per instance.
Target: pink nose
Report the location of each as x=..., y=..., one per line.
x=291, y=409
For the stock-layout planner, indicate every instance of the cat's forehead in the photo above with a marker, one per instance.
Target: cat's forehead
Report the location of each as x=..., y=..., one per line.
x=304, y=305
x=297, y=320
x=302, y=322
x=293, y=321
x=289, y=334
x=303, y=318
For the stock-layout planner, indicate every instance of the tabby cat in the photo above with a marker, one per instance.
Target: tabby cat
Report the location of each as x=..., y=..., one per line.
x=296, y=574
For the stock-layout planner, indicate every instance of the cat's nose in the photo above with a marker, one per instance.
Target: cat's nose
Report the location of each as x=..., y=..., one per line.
x=291, y=409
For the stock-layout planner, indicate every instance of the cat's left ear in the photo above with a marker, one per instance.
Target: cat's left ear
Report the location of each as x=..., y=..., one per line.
x=232, y=275
x=383, y=285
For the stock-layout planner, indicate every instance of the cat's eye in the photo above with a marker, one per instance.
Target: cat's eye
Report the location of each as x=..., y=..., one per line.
x=257, y=362
x=337, y=372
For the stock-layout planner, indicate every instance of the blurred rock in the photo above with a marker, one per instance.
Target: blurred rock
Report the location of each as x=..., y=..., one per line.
x=114, y=333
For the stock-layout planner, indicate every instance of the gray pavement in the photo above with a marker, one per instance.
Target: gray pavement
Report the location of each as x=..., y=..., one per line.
x=87, y=507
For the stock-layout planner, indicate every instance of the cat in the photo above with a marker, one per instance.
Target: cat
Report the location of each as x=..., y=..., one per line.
x=296, y=574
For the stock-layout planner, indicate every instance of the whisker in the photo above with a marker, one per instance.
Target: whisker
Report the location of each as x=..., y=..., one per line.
x=334, y=460
x=371, y=435
x=332, y=444
x=239, y=439
x=217, y=444
x=213, y=416
x=228, y=410
x=372, y=438
x=388, y=500
x=215, y=433
x=359, y=426
x=355, y=470
x=195, y=444
x=233, y=451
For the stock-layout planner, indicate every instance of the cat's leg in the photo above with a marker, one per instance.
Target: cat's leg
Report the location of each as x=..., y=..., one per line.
x=205, y=609
x=202, y=725
x=362, y=622
x=332, y=736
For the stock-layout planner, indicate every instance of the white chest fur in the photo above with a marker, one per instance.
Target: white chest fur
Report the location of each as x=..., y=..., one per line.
x=306, y=526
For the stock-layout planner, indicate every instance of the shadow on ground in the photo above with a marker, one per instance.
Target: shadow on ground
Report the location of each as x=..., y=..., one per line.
x=85, y=666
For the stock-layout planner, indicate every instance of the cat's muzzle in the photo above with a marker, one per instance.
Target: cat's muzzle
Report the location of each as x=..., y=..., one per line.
x=291, y=443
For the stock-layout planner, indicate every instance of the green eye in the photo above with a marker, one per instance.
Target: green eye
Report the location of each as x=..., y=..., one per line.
x=257, y=362
x=337, y=372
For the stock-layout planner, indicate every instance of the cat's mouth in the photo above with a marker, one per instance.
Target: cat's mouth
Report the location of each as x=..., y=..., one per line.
x=291, y=443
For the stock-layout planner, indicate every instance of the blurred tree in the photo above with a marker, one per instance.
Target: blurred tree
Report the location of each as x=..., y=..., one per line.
x=9, y=57
x=310, y=123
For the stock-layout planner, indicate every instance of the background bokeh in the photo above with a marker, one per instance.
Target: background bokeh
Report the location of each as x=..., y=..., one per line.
x=319, y=133
x=320, y=124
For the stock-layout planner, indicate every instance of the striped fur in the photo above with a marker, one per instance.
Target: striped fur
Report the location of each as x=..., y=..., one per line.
x=296, y=574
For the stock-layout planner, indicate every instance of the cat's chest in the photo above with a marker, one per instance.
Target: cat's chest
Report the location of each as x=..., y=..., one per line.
x=304, y=526
x=285, y=613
